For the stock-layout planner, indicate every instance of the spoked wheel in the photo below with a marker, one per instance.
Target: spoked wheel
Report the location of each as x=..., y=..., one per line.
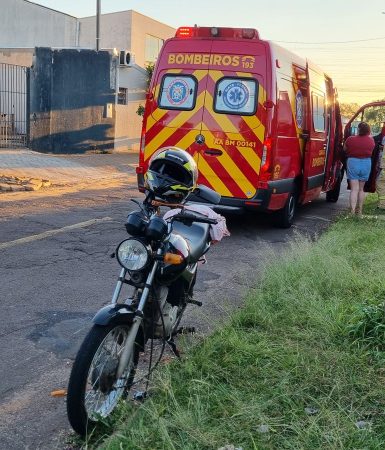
x=93, y=389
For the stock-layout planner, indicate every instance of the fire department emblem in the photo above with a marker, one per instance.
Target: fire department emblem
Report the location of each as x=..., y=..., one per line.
x=177, y=92
x=235, y=95
x=299, y=109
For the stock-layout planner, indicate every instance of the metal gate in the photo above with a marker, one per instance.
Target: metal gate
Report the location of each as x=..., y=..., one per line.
x=14, y=105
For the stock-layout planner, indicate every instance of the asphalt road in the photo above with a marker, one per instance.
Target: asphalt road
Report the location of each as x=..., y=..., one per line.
x=53, y=282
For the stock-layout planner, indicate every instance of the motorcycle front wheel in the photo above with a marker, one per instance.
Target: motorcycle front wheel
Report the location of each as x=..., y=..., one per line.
x=93, y=389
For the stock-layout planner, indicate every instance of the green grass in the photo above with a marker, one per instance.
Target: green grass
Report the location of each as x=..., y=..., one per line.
x=305, y=339
x=370, y=206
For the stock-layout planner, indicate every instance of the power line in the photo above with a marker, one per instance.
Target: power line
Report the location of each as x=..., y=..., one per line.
x=332, y=42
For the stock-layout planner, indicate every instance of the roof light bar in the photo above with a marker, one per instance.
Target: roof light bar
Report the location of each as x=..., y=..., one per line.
x=222, y=32
x=184, y=32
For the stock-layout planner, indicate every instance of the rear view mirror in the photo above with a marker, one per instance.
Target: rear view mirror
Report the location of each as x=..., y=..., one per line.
x=207, y=194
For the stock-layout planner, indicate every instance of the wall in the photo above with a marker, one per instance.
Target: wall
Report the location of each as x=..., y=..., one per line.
x=72, y=97
x=17, y=56
x=128, y=123
x=25, y=24
x=123, y=30
x=142, y=25
x=115, y=31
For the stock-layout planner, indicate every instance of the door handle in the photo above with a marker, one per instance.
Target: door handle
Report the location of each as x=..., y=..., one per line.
x=213, y=152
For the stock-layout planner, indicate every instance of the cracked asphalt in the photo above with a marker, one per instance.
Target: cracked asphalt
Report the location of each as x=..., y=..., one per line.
x=50, y=289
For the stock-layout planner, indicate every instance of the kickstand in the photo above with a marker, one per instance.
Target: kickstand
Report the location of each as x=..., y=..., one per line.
x=173, y=347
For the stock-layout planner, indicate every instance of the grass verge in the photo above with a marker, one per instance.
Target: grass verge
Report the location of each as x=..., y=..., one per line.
x=302, y=366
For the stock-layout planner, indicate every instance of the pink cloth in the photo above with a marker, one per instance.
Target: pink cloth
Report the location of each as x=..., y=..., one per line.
x=217, y=231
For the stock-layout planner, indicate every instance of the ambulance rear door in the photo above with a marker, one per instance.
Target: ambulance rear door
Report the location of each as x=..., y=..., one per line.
x=233, y=118
x=177, y=97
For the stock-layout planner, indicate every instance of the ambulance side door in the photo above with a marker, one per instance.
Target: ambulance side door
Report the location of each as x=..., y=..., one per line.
x=373, y=114
x=316, y=145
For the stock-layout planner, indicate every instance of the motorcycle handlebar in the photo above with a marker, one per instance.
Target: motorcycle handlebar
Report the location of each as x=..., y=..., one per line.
x=193, y=218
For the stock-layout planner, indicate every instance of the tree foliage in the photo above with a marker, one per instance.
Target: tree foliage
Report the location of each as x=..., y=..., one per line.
x=349, y=109
x=150, y=70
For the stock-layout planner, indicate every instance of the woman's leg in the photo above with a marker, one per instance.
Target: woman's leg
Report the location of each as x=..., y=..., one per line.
x=361, y=196
x=354, y=188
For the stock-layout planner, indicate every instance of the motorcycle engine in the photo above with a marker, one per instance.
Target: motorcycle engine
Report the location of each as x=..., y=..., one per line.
x=169, y=314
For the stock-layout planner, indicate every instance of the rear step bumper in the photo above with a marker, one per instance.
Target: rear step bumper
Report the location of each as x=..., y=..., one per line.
x=260, y=201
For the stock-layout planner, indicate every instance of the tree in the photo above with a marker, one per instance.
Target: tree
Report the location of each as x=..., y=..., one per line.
x=349, y=109
x=150, y=70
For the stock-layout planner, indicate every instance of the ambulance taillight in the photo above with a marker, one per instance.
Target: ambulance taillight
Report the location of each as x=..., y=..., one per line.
x=264, y=174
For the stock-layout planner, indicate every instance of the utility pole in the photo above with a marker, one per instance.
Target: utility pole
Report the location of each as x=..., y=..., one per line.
x=98, y=2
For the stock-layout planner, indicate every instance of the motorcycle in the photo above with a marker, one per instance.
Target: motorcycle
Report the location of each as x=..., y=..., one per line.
x=159, y=261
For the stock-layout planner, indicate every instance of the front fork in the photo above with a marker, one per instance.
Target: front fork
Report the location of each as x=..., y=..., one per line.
x=138, y=317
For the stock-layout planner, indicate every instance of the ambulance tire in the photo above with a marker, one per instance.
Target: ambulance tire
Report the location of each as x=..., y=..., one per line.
x=285, y=217
x=333, y=195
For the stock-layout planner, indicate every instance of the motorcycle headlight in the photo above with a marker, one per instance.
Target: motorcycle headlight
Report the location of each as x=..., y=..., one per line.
x=132, y=254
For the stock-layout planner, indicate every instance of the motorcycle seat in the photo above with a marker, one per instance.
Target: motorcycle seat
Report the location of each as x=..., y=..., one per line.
x=197, y=236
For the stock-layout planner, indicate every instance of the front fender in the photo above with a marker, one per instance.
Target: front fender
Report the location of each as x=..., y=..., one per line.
x=114, y=314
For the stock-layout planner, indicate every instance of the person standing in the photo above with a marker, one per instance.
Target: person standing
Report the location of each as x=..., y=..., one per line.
x=358, y=151
x=380, y=182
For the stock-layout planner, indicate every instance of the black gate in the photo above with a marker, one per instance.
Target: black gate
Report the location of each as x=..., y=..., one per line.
x=14, y=105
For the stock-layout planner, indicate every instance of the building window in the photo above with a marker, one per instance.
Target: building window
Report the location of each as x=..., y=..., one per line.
x=122, y=96
x=153, y=46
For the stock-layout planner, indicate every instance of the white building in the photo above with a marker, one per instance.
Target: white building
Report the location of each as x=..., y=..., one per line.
x=25, y=25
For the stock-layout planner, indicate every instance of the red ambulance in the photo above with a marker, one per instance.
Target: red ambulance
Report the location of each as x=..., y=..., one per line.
x=262, y=124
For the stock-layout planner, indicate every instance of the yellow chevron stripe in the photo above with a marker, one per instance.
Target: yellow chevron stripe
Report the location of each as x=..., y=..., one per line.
x=235, y=173
x=188, y=139
x=261, y=95
x=255, y=124
x=251, y=157
x=199, y=74
x=216, y=75
x=213, y=178
x=245, y=74
x=153, y=118
x=172, y=127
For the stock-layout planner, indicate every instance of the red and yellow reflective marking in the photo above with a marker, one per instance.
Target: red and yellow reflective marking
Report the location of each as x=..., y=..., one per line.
x=235, y=171
x=215, y=181
x=172, y=127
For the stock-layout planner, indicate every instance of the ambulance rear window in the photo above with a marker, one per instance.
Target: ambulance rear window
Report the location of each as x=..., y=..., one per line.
x=178, y=92
x=236, y=96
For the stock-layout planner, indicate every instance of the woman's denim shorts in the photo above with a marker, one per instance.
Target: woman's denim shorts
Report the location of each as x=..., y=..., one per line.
x=359, y=168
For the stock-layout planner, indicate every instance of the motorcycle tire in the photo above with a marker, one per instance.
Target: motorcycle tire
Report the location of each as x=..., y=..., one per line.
x=103, y=383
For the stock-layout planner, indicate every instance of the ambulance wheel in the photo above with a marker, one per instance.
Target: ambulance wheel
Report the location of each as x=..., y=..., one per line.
x=333, y=195
x=285, y=216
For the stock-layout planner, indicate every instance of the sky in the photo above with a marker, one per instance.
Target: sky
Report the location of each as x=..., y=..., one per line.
x=344, y=37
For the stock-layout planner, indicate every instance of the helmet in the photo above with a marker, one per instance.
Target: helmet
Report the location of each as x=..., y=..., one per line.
x=172, y=174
